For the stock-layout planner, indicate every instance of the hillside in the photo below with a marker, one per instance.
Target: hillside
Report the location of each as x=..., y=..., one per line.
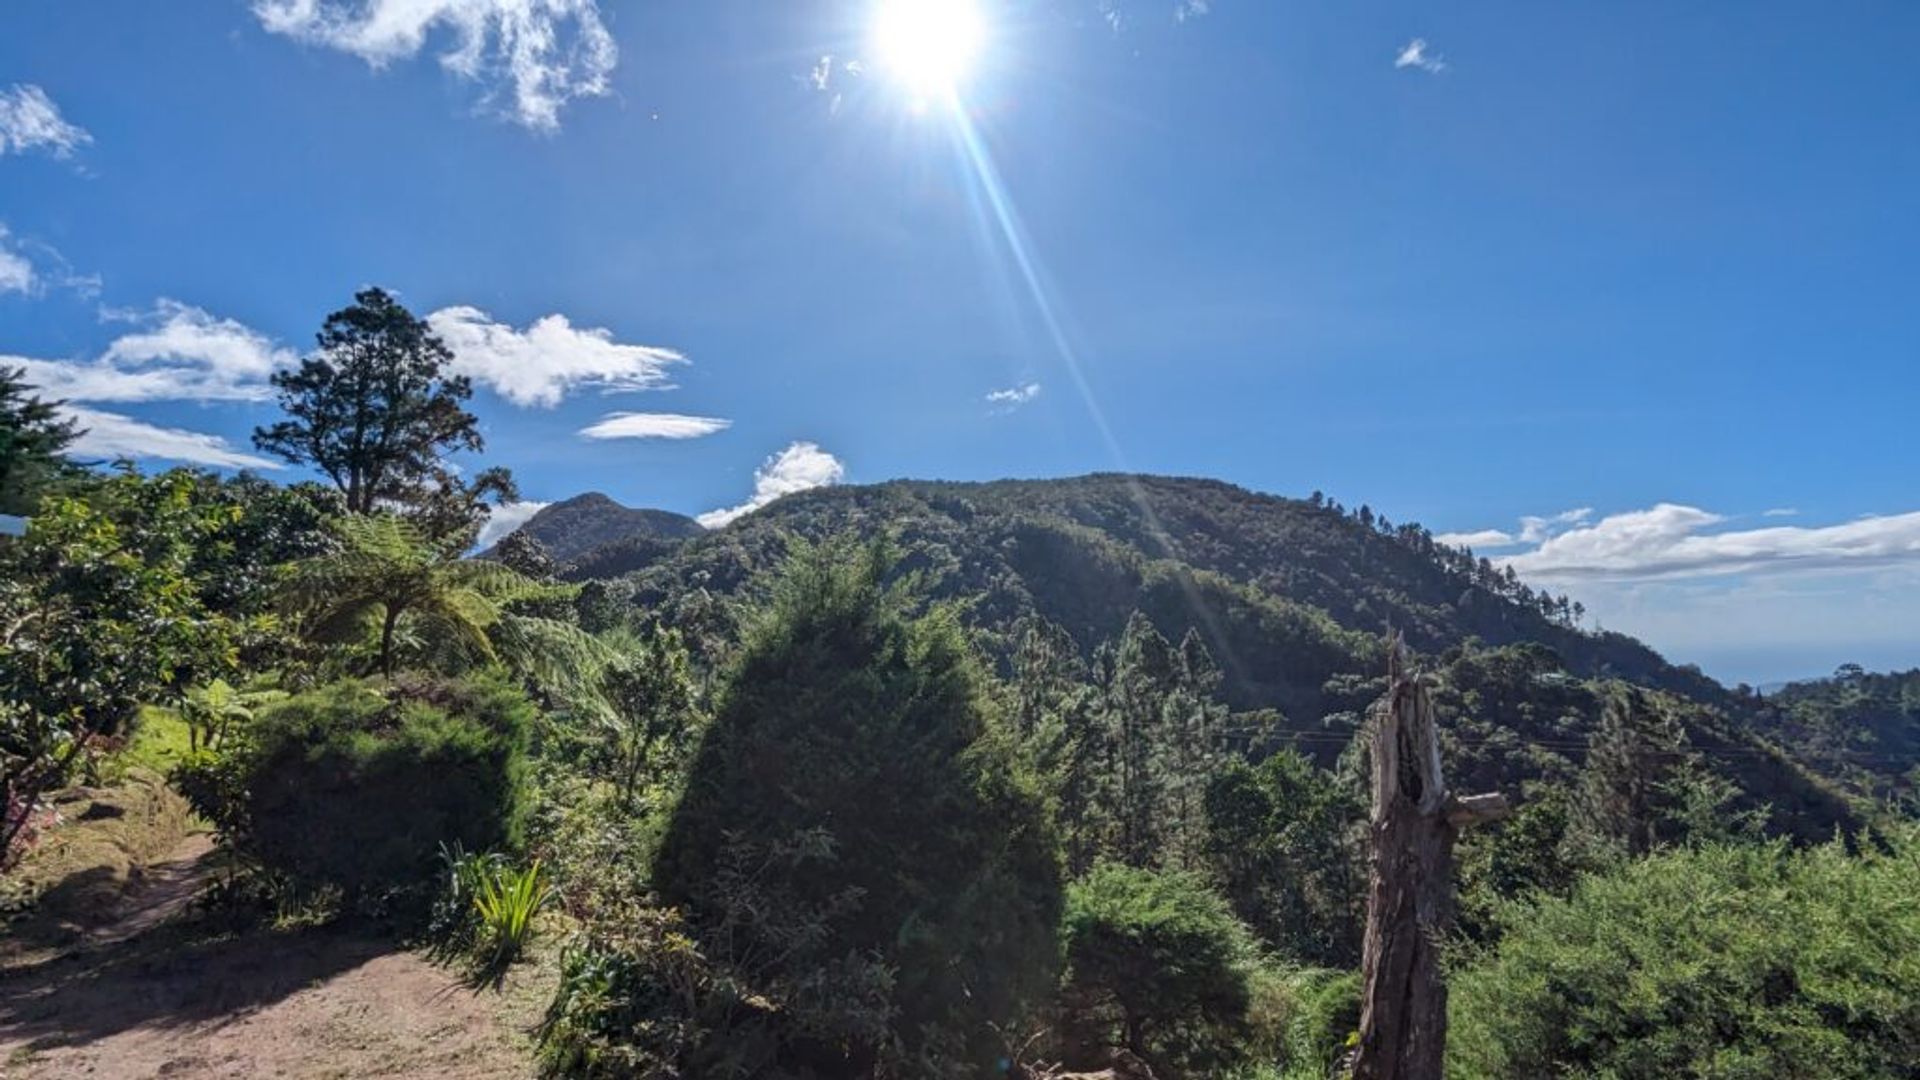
x=594, y=521
x=1289, y=596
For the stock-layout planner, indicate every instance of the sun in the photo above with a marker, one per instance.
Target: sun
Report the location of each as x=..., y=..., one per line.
x=928, y=45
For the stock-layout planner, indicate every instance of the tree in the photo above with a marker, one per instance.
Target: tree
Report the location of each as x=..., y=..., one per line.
x=385, y=570
x=1157, y=966
x=650, y=693
x=373, y=408
x=99, y=613
x=855, y=731
x=32, y=439
x=1280, y=838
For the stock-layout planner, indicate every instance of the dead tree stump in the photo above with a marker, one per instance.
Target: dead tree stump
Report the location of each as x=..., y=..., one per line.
x=1403, y=1007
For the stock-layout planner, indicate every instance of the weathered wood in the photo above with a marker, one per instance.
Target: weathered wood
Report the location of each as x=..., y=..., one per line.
x=1403, y=1007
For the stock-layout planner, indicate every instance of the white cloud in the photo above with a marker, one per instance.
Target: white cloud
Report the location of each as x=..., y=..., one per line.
x=29, y=120
x=1414, y=54
x=801, y=466
x=180, y=353
x=16, y=270
x=1013, y=396
x=1535, y=529
x=504, y=519
x=1780, y=511
x=1191, y=9
x=638, y=425
x=539, y=365
x=822, y=73
x=542, y=52
x=1485, y=538
x=1673, y=541
x=112, y=435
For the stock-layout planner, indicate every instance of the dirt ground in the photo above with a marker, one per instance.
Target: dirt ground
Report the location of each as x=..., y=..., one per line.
x=155, y=992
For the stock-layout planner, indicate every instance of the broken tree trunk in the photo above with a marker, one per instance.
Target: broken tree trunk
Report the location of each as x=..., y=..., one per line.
x=1403, y=1007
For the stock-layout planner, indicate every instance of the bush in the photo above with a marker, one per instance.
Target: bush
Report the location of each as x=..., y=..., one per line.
x=854, y=783
x=1158, y=965
x=1731, y=961
x=356, y=787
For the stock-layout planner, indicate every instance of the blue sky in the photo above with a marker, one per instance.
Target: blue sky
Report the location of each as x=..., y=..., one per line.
x=1645, y=260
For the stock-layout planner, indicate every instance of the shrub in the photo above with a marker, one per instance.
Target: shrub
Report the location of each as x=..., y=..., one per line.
x=356, y=788
x=1727, y=961
x=853, y=772
x=1158, y=965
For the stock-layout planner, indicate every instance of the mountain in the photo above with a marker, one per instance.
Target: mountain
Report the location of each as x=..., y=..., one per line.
x=594, y=522
x=1289, y=596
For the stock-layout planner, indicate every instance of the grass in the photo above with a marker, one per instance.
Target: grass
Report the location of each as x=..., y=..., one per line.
x=160, y=741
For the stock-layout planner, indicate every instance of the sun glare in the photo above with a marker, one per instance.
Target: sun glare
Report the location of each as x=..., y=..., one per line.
x=928, y=45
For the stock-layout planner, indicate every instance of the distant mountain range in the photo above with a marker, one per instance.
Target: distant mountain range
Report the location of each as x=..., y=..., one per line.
x=1290, y=596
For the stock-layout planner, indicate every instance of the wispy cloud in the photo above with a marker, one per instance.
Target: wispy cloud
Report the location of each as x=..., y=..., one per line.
x=1417, y=54
x=29, y=120
x=639, y=425
x=1780, y=511
x=801, y=466
x=547, y=360
x=29, y=267
x=1013, y=397
x=1533, y=529
x=1191, y=9
x=504, y=519
x=16, y=270
x=540, y=53
x=111, y=435
x=1671, y=541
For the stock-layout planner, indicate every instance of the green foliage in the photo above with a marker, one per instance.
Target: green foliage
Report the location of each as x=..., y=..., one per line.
x=1324, y=1025
x=354, y=788
x=392, y=584
x=507, y=901
x=99, y=613
x=1860, y=725
x=32, y=439
x=1284, y=839
x=653, y=713
x=373, y=409
x=1723, y=961
x=1157, y=965
x=853, y=770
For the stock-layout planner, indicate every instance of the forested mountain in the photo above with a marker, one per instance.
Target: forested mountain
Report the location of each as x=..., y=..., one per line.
x=593, y=521
x=1858, y=724
x=1290, y=598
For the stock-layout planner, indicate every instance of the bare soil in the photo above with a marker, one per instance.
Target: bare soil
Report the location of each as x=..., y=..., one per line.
x=147, y=989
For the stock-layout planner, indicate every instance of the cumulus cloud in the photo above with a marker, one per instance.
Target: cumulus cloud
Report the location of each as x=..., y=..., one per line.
x=1674, y=541
x=539, y=365
x=112, y=435
x=29, y=120
x=638, y=425
x=1415, y=54
x=504, y=519
x=178, y=353
x=801, y=466
x=540, y=53
x=1013, y=396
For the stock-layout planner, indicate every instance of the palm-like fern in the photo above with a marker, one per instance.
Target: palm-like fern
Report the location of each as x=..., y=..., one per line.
x=387, y=569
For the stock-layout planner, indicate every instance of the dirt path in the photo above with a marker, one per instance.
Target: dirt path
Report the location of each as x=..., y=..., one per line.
x=152, y=994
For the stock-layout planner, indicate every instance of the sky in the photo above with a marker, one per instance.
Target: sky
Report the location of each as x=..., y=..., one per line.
x=1620, y=292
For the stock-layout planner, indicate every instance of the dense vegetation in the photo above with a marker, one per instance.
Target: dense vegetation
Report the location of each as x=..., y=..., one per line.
x=928, y=779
